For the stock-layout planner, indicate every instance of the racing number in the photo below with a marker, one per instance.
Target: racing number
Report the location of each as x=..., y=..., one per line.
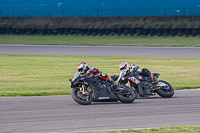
x=103, y=74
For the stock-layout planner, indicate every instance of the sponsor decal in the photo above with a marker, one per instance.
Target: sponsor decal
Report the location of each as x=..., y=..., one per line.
x=134, y=80
x=127, y=84
x=104, y=98
x=103, y=74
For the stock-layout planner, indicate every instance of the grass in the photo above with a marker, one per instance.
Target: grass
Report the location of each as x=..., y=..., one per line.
x=182, y=129
x=101, y=40
x=29, y=75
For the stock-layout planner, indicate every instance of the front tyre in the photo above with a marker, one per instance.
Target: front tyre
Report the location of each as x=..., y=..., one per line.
x=79, y=97
x=165, y=91
x=127, y=96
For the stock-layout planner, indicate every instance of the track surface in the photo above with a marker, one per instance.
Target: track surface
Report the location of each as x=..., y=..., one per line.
x=102, y=50
x=52, y=114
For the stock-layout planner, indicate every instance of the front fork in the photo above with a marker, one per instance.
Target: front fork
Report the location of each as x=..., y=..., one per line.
x=128, y=84
x=85, y=90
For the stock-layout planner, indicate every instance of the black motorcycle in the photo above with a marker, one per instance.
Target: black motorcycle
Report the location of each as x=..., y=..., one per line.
x=144, y=85
x=93, y=89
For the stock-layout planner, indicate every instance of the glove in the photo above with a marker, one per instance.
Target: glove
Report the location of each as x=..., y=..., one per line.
x=133, y=67
x=99, y=74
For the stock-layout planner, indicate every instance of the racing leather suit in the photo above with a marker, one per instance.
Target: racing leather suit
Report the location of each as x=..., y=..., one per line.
x=93, y=71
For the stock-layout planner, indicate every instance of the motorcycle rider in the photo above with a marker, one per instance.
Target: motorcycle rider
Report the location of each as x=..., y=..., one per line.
x=134, y=68
x=89, y=71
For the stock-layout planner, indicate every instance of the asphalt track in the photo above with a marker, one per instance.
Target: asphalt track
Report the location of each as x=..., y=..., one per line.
x=54, y=114
x=183, y=52
x=60, y=114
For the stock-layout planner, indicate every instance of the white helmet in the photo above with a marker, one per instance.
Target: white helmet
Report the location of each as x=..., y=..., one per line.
x=123, y=66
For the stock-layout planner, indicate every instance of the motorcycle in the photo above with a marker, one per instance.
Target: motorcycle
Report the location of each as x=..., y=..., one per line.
x=144, y=85
x=86, y=90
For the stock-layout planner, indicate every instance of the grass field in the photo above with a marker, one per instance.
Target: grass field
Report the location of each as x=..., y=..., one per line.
x=182, y=129
x=101, y=40
x=29, y=75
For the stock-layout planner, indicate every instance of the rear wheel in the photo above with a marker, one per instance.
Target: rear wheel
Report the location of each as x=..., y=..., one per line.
x=79, y=97
x=165, y=91
x=128, y=95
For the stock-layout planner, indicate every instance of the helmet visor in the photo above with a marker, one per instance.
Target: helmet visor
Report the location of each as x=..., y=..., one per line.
x=80, y=69
x=123, y=68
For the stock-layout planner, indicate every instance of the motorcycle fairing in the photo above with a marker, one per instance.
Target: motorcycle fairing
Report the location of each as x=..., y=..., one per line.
x=144, y=89
x=76, y=76
x=122, y=73
x=156, y=75
x=99, y=93
x=134, y=80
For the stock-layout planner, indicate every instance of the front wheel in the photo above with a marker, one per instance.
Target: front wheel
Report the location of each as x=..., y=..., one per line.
x=165, y=91
x=128, y=95
x=79, y=97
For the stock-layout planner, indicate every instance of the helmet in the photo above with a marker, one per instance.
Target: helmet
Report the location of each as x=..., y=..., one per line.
x=82, y=67
x=123, y=65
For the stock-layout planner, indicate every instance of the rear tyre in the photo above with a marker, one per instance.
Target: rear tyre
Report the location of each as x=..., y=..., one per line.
x=83, y=99
x=165, y=93
x=127, y=97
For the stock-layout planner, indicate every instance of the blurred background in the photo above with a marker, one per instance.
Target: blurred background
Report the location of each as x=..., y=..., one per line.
x=95, y=8
x=100, y=17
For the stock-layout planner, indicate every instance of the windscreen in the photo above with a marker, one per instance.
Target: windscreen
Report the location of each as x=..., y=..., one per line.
x=76, y=76
x=122, y=73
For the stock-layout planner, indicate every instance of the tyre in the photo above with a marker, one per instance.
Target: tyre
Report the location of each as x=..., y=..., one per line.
x=79, y=97
x=127, y=97
x=165, y=93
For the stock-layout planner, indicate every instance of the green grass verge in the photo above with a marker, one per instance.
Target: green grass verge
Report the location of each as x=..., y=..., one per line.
x=182, y=129
x=101, y=40
x=29, y=75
